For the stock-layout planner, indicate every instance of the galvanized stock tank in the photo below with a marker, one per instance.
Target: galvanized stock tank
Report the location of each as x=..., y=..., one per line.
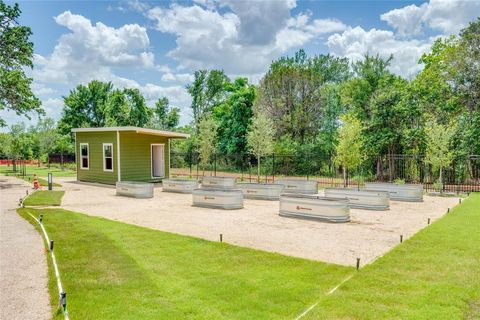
x=219, y=182
x=134, y=189
x=361, y=199
x=399, y=192
x=261, y=191
x=217, y=198
x=314, y=208
x=298, y=186
x=179, y=185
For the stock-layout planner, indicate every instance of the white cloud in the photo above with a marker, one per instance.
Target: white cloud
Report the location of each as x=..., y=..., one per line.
x=259, y=20
x=242, y=40
x=353, y=43
x=41, y=89
x=53, y=107
x=447, y=16
x=177, y=77
x=90, y=51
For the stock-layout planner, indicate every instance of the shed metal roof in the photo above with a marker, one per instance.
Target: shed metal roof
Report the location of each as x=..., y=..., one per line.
x=154, y=132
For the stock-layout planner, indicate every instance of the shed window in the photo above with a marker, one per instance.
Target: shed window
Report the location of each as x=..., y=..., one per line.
x=84, y=153
x=107, y=157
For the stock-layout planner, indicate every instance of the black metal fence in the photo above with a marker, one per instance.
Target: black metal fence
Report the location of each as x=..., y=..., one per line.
x=61, y=158
x=463, y=175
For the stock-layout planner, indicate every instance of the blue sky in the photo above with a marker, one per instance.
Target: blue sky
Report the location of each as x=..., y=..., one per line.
x=156, y=46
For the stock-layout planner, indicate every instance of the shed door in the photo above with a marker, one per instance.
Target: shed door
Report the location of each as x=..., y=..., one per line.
x=158, y=161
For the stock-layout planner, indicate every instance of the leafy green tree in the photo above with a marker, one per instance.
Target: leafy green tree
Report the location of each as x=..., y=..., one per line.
x=463, y=74
x=291, y=92
x=438, y=153
x=16, y=54
x=85, y=106
x=207, y=91
x=64, y=145
x=375, y=96
x=117, y=109
x=206, y=140
x=234, y=116
x=21, y=144
x=47, y=136
x=260, y=138
x=98, y=104
x=349, y=154
x=5, y=145
x=165, y=118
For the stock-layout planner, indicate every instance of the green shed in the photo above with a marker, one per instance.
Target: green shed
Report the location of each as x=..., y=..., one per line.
x=112, y=154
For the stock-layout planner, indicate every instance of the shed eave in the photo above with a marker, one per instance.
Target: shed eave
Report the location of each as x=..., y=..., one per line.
x=162, y=133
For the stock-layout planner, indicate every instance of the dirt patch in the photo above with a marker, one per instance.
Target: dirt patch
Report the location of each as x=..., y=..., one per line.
x=258, y=225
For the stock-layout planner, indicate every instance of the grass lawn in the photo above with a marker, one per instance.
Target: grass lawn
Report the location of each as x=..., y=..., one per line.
x=44, y=198
x=433, y=275
x=39, y=171
x=112, y=270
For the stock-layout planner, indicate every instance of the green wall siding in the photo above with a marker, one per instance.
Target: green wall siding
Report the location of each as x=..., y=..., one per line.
x=135, y=156
x=95, y=171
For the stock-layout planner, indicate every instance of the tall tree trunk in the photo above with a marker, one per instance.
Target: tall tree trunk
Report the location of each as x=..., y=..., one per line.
x=258, y=169
x=345, y=182
x=440, y=179
x=379, y=168
x=14, y=164
x=61, y=160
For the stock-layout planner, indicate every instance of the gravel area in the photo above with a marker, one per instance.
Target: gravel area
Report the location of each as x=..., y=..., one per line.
x=23, y=265
x=369, y=235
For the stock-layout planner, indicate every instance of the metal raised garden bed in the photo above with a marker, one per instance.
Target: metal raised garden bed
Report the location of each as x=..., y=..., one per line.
x=361, y=199
x=134, y=189
x=261, y=191
x=219, y=182
x=217, y=198
x=299, y=186
x=399, y=192
x=314, y=208
x=179, y=185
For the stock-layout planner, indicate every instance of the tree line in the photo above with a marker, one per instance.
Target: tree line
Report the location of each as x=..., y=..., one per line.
x=300, y=106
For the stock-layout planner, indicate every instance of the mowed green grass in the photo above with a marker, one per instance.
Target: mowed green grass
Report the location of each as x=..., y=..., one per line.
x=41, y=171
x=44, y=198
x=433, y=275
x=112, y=270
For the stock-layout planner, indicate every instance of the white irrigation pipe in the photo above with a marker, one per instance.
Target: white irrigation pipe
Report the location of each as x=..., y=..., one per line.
x=327, y=294
x=61, y=293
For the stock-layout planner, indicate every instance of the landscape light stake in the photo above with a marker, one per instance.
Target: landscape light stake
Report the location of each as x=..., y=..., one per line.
x=63, y=300
x=221, y=237
x=51, y=245
x=460, y=200
x=448, y=210
x=428, y=222
x=401, y=238
x=40, y=218
x=26, y=192
x=358, y=263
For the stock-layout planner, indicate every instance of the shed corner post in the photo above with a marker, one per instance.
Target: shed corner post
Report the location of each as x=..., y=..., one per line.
x=76, y=157
x=119, y=174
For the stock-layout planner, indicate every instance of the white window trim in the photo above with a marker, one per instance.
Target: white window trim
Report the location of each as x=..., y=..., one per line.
x=81, y=156
x=103, y=158
x=151, y=159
